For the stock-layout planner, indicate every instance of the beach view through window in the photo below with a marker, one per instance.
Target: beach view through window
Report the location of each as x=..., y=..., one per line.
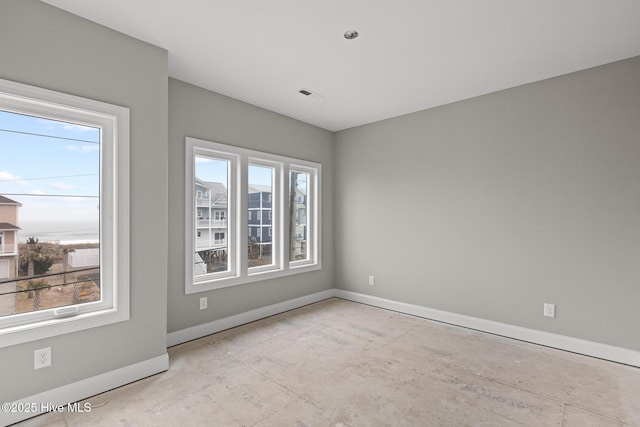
x=49, y=213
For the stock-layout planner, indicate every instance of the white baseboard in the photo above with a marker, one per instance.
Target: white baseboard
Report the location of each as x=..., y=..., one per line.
x=562, y=342
x=82, y=389
x=85, y=388
x=202, y=330
x=575, y=345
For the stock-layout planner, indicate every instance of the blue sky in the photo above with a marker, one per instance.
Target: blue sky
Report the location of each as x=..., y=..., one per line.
x=214, y=170
x=211, y=170
x=50, y=169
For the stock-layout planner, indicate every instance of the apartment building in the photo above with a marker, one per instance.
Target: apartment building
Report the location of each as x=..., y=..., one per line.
x=8, y=238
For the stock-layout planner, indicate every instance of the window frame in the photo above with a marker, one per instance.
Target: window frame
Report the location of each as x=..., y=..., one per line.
x=238, y=222
x=113, y=120
x=276, y=184
x=312, y=212
x=231, y=238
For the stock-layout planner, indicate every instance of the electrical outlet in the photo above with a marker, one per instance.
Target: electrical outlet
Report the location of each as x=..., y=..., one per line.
x=42, y=358
x=203, y=303
x=549, y=310
x=372, y=280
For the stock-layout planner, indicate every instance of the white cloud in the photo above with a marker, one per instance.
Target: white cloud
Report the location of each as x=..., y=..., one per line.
x=38, y=192
x=6, y=176
x=53, y=124
x=61, y=186
x=75, y=200
x=77, y=128
x=85, y=148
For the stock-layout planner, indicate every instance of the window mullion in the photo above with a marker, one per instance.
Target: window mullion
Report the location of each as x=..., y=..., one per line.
x=242, y=217
x=313, y=204
x=286, y=216
x=278, y=217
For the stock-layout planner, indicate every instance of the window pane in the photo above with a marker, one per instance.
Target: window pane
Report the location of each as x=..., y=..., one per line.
x=49, y=213
x=298, y=215
x=211, y=207
x=260, y=182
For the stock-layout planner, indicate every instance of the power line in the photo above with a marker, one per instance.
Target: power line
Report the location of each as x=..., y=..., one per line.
x=49, y=286
x=41, y=276
x=47, y=177
x=53, y=195
x=48, y=136
x=66, y=231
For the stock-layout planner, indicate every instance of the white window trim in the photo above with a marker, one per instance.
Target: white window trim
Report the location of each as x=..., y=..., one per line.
x=232, y=238
x=237, y=217
x=113, y=121
x=313, y=213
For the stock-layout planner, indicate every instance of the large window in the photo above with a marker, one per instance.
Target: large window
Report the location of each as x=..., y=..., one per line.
x=261, y=221
x=63, y=213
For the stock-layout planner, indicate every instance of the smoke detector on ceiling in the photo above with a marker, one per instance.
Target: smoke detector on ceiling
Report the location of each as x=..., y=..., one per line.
x=351, y=34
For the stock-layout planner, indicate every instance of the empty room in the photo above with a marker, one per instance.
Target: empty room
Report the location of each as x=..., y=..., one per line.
x=343, y=213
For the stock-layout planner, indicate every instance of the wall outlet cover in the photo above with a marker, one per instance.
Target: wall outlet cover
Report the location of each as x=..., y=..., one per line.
x=549, y=310
x=42, y=358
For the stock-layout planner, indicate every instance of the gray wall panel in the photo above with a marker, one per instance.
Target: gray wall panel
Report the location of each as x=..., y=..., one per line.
x=491, y=207
x=44, y=46
x=202, y=114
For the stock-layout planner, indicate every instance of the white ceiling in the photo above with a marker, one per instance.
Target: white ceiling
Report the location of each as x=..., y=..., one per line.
x=411, y=54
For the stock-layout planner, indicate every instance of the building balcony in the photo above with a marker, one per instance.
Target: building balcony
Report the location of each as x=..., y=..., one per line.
x=212, y=223
x=8, y=249
x=205, y=244
x=207, y=203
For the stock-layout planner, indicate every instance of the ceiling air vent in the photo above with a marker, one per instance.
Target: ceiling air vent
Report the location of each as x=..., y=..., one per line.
x=310, y=94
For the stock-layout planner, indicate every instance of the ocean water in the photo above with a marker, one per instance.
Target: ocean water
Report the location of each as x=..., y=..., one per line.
x=61, y=232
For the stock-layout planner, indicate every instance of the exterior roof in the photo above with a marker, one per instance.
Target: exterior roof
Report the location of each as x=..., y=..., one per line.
x=256, y=188
x=218, y=192
x=5, y=226
x=7, y=201
x=217, y=187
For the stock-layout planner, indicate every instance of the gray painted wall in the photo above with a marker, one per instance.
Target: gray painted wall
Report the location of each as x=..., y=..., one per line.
x=207, y=115
x=491, y=207
x=488, y=207
x=44, y=46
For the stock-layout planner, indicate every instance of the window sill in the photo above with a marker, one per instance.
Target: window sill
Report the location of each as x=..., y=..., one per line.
x=259, y=276
x=53, y=327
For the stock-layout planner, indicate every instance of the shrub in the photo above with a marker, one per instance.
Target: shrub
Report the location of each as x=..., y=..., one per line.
x=41, y=264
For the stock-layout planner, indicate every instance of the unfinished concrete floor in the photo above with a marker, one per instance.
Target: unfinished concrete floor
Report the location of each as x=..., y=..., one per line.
x=338, y=363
